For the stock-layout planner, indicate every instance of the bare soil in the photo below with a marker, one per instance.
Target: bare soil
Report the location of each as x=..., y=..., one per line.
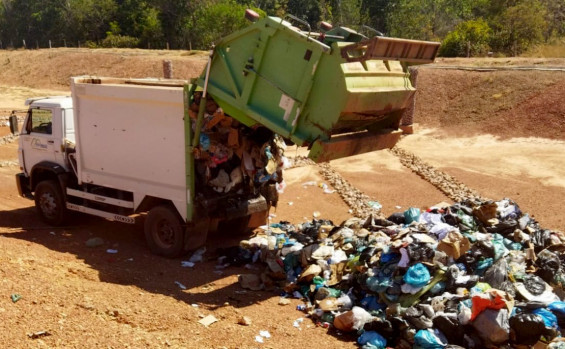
x=501, y=133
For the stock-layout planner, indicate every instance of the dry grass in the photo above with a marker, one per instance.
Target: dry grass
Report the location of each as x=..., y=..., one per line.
x=554, y=49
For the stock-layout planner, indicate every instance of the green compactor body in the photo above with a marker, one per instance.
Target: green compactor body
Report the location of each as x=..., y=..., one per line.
x=339, y=92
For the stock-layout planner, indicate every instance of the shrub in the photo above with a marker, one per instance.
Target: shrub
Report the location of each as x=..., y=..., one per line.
x=475, y=33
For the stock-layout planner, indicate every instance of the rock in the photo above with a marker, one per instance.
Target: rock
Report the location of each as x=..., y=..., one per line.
x=244, y=320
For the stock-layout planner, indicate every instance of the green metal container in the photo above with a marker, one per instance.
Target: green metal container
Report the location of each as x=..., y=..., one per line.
x=339, y=92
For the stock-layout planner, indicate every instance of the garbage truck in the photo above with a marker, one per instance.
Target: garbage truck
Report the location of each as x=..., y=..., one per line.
x=192, y=156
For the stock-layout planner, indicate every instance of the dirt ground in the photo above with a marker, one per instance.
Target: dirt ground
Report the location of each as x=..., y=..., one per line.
x=501, y=133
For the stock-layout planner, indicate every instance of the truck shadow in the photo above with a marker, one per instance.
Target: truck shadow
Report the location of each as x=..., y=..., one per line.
x=133, y=264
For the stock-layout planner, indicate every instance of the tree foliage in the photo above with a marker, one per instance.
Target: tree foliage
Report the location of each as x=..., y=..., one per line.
x=470, y=38
x=506, y=26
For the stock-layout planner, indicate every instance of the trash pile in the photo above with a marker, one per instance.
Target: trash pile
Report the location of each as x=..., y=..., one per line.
x=476, y=274
x=232, y=158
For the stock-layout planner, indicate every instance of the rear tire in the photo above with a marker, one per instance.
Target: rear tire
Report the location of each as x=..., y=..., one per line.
x=50, y=203
x=164, y=231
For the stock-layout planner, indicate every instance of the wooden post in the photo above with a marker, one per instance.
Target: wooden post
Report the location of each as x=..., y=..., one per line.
x=167, y=45
x=190, y=45
x=168, y=69
x=65, y=42
x=468, y=49
x=24, y=43
x=37, y=44
x=49, y=43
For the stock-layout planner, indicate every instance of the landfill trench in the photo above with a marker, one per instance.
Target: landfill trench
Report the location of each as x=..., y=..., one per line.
x=361, y=205
x=447, y=184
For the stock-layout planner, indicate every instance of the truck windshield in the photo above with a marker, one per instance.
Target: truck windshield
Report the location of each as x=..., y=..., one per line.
x=41, y=120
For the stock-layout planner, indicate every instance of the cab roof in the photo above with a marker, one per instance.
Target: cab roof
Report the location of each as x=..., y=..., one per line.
x=51, y=102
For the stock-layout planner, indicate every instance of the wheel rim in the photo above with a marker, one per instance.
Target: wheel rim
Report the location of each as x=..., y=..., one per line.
x=165, y=234
x=48, y=205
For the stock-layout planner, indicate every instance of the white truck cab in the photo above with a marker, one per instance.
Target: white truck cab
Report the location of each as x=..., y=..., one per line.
x=47, y=131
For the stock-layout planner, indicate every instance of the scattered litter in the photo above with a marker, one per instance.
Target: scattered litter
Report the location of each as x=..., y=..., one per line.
x=187, y=264
x=181, y=286
x=208, y=320
x=298, y=322
x=112, y=251
x=198, y=255
x=284, y=301
x=316, y=214
x=259, y=339
x=38, y=334
x=194, y=305
x=15, y=297
x=265, y=334
x=290, y=203
x=52, y=233
x=375, y=205
x=94, y=242
x=129, y=259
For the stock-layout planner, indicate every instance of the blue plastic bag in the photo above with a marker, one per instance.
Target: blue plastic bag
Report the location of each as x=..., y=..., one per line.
x=549, y=319
x=204, y=141
x=417, y=275
x=557, y=308
x=371, y=339
x=411, y=215
x=429, y=339
x=370, y=303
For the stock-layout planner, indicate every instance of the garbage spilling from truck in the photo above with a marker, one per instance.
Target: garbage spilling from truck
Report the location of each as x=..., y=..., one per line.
x=231, y=157
x=475, y=274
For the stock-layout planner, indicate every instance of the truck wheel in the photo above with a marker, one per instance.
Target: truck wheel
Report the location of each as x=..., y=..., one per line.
x=164, y=231
x=49, y=202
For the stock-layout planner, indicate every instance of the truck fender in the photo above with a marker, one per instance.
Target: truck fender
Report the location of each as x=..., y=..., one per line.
x=48, y=170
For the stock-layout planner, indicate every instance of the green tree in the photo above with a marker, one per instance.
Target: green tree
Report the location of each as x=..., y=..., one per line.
x=89, y=19
x=428, y=19
x=175, y=16
x=345, y=12
x=308, y=10
x=470, y=37
x=205, y=30
x=555, y=18
x=137, y=18
x=375, y=12
x=519, y=27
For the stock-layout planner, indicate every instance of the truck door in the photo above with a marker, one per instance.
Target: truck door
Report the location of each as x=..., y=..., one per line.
x=41, y=137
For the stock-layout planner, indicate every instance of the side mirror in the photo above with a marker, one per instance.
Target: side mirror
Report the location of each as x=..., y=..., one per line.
x=13, y=119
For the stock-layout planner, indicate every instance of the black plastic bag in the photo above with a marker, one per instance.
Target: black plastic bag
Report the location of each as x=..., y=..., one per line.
x=534, y=284
x=526, y=328
x=451, y=328
x=497, y=274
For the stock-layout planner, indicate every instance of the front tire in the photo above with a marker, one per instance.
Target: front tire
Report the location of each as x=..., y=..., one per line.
x=50, y=203
x=164, y=231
